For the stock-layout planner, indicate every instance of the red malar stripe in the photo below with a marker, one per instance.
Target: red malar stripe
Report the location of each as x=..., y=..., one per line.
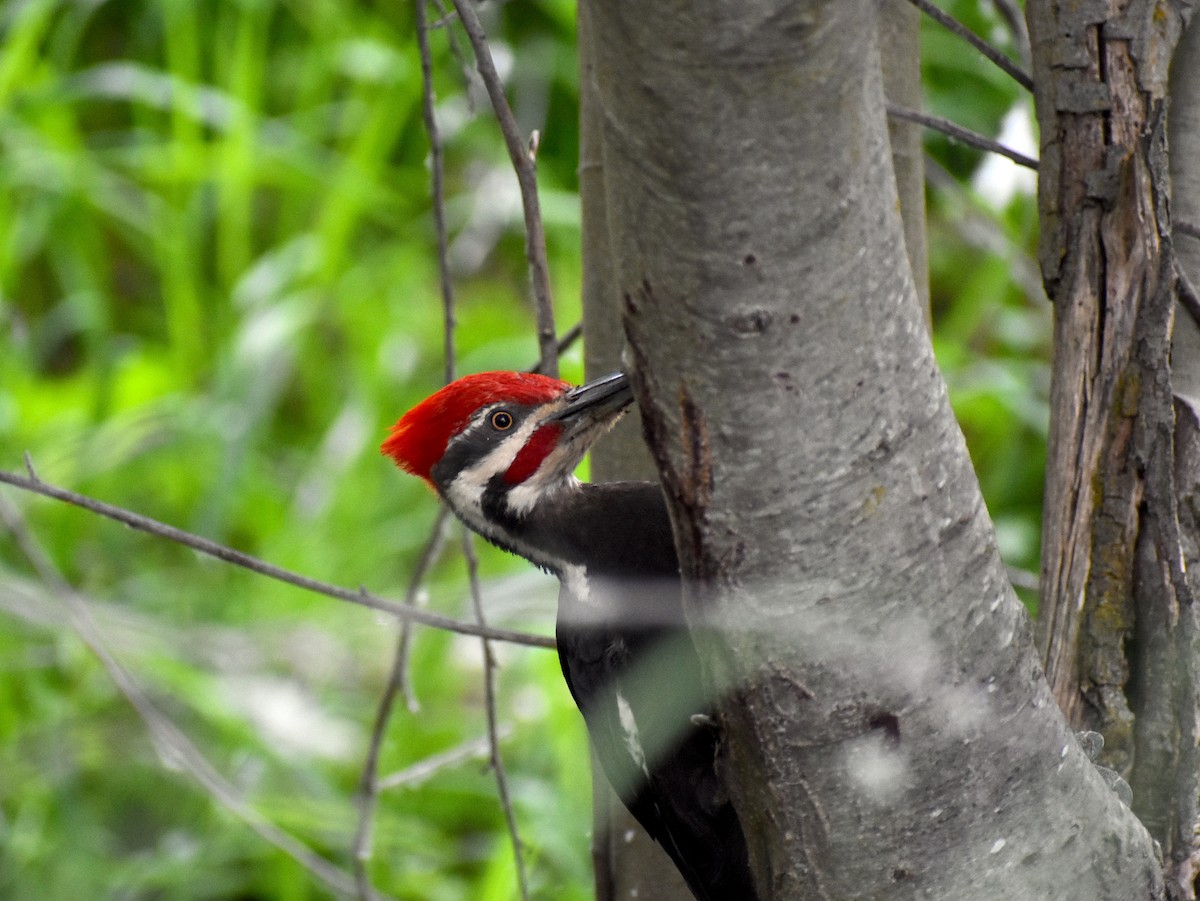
x=530, y=457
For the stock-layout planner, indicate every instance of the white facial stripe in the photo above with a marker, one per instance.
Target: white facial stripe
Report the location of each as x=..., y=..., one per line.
x=465, y=493
x=633, y=739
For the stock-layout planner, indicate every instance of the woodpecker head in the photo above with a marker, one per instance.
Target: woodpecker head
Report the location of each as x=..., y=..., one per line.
x=497, y=443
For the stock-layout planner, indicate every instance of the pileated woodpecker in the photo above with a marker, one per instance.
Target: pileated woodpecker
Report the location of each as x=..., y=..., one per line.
x=501, y=449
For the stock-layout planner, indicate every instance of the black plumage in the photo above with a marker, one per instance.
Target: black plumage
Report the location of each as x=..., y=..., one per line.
x=628, y=640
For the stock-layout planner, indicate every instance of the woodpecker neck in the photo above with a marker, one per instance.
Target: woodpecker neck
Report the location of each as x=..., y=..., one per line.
x=517, y=524
x=581, y=532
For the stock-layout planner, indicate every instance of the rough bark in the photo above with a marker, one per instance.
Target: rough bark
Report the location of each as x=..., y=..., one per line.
x=890, y=732
x=627, y=862
x=1116, y=620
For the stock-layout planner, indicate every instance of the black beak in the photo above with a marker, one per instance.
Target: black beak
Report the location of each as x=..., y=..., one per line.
x=598, y=400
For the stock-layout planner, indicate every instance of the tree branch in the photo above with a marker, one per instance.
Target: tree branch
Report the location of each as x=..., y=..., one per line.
x=964, y=135
x=397, y=685
x=211, y=548
x=424, y=769
x=523, y=155
x=1018, y=74
x=493, y=732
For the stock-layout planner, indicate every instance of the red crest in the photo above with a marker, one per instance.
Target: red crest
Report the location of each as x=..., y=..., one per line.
x=420, y=437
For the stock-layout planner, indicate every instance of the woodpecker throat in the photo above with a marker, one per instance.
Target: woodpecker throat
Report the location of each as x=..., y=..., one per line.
x=501, y=448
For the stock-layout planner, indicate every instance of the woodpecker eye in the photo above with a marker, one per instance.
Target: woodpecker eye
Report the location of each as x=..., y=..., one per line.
x=502, y=421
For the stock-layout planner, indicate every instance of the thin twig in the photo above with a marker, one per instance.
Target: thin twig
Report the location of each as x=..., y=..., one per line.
x=489, y=696
x=535, y=243
x=945, y=19
x=428, y=767
x=447, y=18
x=524, y=164
x=397, y=682
x=1191, y=229
x=174, y=748
x=1014, y=17
x=210, y=548
x=958, y=133
x=437, y=189
x=573, y=334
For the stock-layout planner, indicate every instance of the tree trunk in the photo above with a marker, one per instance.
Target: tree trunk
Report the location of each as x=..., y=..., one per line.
x=1117, y=626
x=900, y=60
x=889, y=730
x=627, y=862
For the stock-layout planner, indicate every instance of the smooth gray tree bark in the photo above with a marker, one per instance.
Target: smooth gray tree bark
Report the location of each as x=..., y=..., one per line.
x=1183, y=128
x=900, y=61
x=626, y=861
x=890, y=732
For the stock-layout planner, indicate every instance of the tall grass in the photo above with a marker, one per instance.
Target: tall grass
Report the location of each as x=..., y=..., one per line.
x=217, y=287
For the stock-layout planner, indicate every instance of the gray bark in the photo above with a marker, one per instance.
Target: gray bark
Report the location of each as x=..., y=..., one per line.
x=900, y=60
x=1184, y=139
x=626, y=861
x=890, y=733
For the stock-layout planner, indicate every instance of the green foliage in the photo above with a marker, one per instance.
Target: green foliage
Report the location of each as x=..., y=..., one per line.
x=992, y=322
x=217, y=289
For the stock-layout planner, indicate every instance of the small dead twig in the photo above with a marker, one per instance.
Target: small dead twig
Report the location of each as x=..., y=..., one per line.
x=1018, y=74
x=210, y=548
x=523, y=156
x=963, y=135
x=493, y=732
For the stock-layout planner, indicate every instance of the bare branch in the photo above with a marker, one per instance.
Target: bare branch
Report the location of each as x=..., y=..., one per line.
x=489, y=697
x=524, y=164
x=573, y=334
x=1014, y=17
x=1191, y=229
x=958, y=133
x=430, y=766
x=945, y=19
x=397, y=685
x=222, y=552
x=174, y=748
x=437, y=189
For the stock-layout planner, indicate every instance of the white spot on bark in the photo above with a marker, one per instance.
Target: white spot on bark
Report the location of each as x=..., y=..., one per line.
x=878, y=771
x=998, y=846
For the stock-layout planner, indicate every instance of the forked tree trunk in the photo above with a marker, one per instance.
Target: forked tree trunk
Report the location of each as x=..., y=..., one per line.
x=890, y=732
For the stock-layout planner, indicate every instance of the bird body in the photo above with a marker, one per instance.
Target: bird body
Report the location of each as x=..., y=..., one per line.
x=501, y=449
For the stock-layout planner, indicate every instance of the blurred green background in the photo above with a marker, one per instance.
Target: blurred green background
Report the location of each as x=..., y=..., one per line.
x=218, y=287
